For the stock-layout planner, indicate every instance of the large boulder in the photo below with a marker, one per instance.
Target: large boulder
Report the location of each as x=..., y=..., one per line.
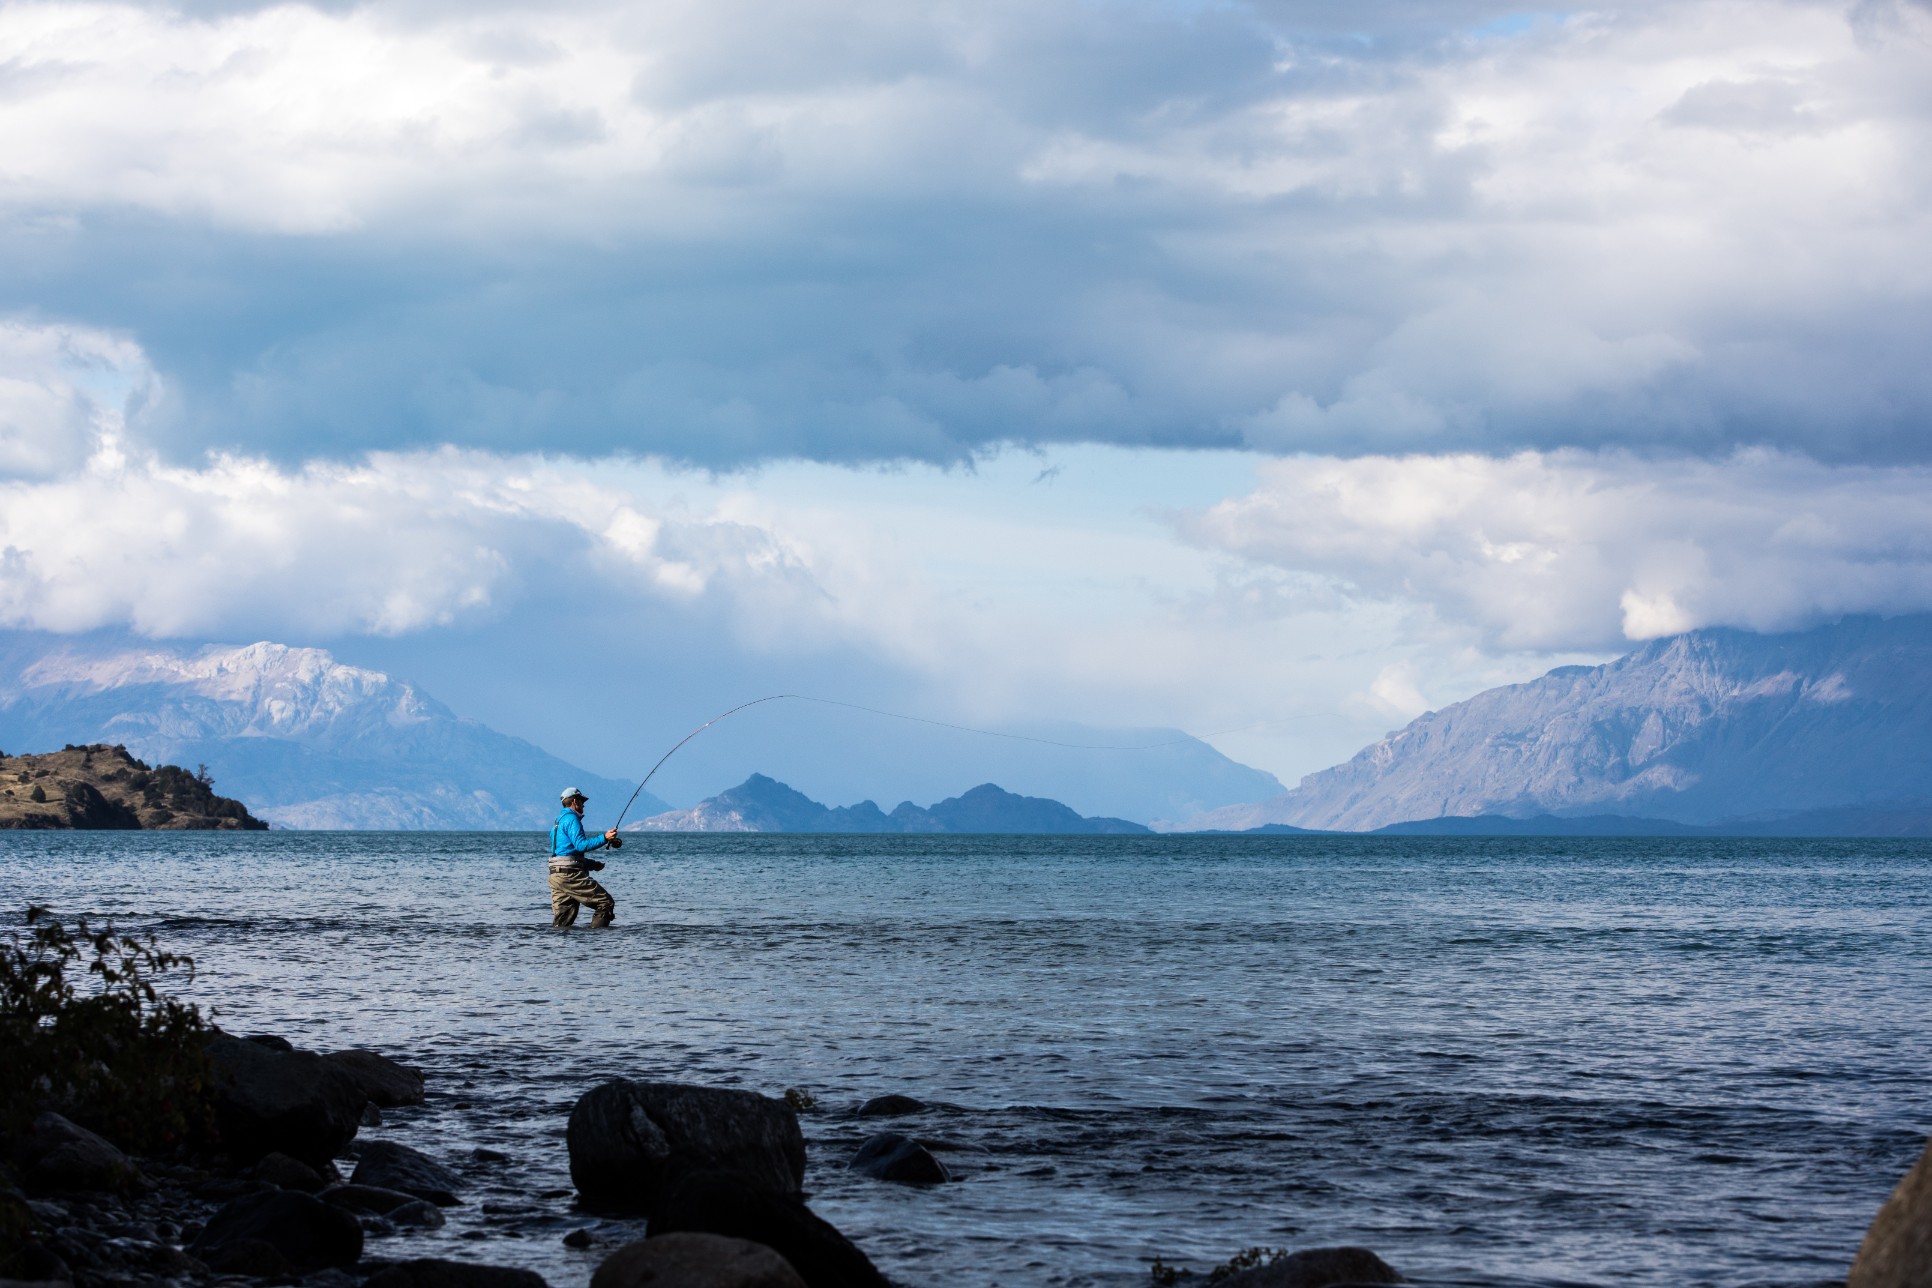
x=278, y=1232
x=631, y=1141
x=1897, y=1252
x=386, y=1165
x=724, y=1203
x=431, y=1272
x=890, y=1156
x=1317, y=1268
x=293, y=1102
x=61, y=1155
x=383, y=1081
x=695, y=1261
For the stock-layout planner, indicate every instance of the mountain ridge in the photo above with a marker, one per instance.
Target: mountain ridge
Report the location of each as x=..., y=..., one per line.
x=763, y=804
x=1703, y=728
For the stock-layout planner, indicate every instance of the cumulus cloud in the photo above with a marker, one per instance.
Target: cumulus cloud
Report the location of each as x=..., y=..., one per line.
x=397, y=542
x=64, y=391
x=842, y=230
x=1584, y=550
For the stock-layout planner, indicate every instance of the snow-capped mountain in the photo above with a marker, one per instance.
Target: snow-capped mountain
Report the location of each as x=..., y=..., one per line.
x=1707, y=727
x=306, y=741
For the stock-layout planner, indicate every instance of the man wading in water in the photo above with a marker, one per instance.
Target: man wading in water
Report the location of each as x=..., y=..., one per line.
x=570, y=869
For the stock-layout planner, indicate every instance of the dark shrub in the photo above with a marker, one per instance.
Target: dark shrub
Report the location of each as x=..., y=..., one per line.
x=89, y=1034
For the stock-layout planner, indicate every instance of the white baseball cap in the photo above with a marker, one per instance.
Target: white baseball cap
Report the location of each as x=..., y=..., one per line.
x=570, y=794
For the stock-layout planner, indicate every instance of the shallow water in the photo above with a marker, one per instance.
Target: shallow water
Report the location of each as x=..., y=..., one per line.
x=1493, y=1061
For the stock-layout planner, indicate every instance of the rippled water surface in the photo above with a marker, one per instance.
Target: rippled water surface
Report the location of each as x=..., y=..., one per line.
x=1493, y=1061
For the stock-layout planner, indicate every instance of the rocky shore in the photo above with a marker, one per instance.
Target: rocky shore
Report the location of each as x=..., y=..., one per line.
x=289, y=1194
x=141, y=1145
x=103, y=786
x=293, y=1197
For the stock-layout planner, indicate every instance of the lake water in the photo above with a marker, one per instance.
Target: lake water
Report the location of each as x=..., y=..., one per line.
x=1630, y=1062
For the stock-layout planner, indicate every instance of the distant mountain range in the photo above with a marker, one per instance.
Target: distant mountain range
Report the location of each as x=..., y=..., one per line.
x=1821, y=732
x=1825, y=822
x=837, y=753
x=304, y=740
x=761, y=804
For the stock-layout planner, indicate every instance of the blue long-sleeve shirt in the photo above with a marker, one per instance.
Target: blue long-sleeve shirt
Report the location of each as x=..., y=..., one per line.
x=567, y=836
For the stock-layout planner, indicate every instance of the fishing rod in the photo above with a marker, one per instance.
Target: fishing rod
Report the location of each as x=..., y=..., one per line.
x=895, y=715
x=687, y=738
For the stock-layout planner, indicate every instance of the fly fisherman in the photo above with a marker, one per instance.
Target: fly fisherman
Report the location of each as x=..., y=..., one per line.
x=571, y=866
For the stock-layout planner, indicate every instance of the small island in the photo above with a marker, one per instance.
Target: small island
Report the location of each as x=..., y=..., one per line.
x=103, y=786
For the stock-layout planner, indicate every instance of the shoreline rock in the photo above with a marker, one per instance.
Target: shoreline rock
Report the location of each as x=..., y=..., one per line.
x=278, y=1232
x=695, y=1261
x=386, y=1083
x=724, y=1203
x=1897, y=1248
x=630, y=1142
x=384, y=1164
x=269, y=1101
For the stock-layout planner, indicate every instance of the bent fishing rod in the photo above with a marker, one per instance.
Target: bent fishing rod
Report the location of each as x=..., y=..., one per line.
x=894, y=715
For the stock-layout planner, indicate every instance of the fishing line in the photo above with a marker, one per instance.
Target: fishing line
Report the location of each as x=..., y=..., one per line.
x=893, y=715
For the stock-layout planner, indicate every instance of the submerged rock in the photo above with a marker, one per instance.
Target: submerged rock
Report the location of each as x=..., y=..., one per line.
x=383, y=1081
x=1317, y=1268
x=62, y=1155
x=890, y=1156
x=892, y=1106
x=1897, y=1251
x=420, y=1213
x=390, y=1166
x=431, y=1272
x=278, y=1232
x=695, y=1261
x=631, y=1141
x=292, y=1102
x=727, y=1204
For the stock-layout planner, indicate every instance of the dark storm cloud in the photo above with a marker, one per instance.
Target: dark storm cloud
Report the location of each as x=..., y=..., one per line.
x=853, y=232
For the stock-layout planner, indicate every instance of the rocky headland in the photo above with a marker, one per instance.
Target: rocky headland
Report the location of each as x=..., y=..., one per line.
x=102, y=786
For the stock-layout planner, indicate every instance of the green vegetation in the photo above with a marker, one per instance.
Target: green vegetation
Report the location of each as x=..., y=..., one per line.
x=90, y=1034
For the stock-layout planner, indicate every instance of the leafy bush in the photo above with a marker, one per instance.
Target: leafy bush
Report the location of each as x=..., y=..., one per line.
x=89, y=1033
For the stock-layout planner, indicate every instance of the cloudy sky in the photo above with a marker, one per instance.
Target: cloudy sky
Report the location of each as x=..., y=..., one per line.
x=1274, y=370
